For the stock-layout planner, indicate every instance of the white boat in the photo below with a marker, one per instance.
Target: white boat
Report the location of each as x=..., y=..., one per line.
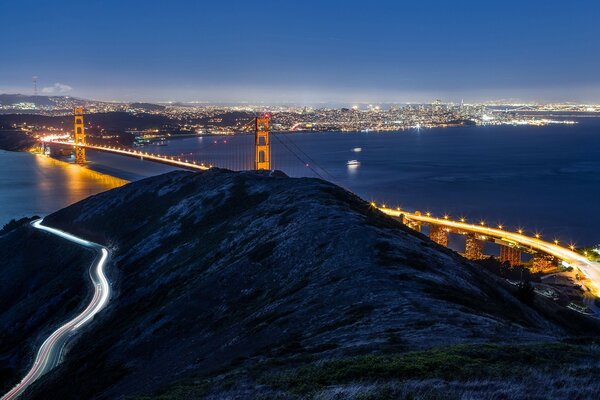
x=353, y=163
x=357, y=149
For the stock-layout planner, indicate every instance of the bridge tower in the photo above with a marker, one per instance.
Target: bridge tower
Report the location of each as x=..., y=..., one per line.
x=510, y=254
x=261, y=142
x=79, y=136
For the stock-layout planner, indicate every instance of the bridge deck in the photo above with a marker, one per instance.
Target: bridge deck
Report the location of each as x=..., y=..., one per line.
x=168, y=160
x=589, y=268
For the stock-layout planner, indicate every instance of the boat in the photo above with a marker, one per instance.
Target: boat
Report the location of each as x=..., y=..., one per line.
x=353, y=163
x=357, y=149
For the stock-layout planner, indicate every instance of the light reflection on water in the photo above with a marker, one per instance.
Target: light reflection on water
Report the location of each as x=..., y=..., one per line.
x=31, y=184
x=74, y=182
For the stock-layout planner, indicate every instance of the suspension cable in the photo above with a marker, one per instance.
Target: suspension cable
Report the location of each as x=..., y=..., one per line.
x=312, y=161
x=298, y=157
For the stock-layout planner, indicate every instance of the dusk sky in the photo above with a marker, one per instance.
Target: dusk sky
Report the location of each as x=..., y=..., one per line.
x=303, y=51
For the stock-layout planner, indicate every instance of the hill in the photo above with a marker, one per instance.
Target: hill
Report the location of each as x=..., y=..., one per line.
x=39, y=101
x=250, y=284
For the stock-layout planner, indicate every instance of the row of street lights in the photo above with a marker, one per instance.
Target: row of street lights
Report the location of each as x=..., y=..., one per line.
x=463, y=220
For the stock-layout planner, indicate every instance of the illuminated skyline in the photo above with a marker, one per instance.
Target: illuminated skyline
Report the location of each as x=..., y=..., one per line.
x=309, y=51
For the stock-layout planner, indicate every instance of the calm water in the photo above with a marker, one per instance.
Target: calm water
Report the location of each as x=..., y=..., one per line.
x=32, y=185
x=544, y=179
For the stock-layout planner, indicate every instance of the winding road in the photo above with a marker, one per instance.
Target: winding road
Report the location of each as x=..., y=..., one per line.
x=50, y=352
x=589, y=268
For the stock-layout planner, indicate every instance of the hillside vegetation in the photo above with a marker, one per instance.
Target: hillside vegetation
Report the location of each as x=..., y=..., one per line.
x=253, y=284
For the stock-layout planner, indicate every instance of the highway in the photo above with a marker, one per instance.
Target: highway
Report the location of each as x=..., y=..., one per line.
x=163, y=159
x=50, y=352
x=587, y=267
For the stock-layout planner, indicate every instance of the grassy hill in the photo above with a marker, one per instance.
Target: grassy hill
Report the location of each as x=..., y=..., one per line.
x=256, y=285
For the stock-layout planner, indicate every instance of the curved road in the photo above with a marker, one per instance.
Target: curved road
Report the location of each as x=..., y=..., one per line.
x=49, y=354
x=589, y=268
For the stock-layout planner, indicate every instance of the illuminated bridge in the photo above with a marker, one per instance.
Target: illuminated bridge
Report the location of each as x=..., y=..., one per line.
x=159, y=158
x=77, y=142
x=512, y=244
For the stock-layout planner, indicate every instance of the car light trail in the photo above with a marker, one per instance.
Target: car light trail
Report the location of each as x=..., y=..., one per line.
x=49, y=354
x=588, y=268
x=164, y=159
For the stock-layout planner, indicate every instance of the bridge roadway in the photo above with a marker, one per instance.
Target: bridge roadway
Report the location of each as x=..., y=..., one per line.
x=588, y=268
x=163, y=159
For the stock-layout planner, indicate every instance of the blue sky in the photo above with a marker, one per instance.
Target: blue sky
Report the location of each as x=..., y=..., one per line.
x=303, y=51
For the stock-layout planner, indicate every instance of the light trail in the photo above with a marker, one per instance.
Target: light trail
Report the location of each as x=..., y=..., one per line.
x=587, y=267
x=50, y=352
x=169, y=160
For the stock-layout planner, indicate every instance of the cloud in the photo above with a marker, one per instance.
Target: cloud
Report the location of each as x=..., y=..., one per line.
x=57, y=88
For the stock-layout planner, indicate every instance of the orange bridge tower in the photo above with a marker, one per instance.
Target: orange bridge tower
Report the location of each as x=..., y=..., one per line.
x=79, y=136
x=261, y=140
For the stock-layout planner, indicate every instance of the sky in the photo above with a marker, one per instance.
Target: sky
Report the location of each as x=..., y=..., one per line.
x=303, y=51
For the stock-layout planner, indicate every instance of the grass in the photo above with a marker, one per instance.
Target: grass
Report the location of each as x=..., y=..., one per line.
x=454, y=372
x=454, y=363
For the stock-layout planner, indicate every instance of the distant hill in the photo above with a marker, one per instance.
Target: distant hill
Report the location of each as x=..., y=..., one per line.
x=249, y=285
x=64, y=102
x=39, y=101
x=147, y=106
x=118, y=120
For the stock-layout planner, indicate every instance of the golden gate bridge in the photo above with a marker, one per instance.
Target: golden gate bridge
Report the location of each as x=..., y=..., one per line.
x=512, y=244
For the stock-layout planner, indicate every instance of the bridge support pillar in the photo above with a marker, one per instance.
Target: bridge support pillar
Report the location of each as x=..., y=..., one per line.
x=439, y=235
x=262, y=145
x=510, y=254
x=473, y=247
x=543, y=262
x=79, y=136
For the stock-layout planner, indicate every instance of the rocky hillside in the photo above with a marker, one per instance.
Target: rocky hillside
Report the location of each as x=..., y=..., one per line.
x=44, y=281
x=243, y=285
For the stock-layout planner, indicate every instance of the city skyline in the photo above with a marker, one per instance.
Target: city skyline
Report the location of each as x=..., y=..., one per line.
x=241, y=52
